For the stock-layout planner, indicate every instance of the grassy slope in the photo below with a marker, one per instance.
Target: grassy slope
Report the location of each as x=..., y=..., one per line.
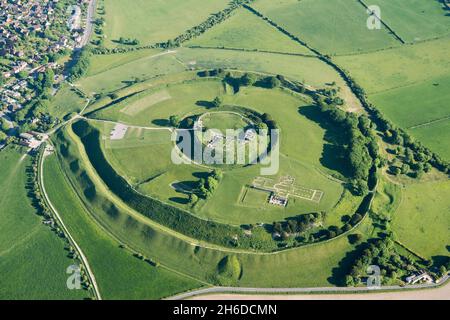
x=66, y=101
x=33, y=261
x=156, y=20
x=118, y=74
x=119, y=274
x=310, y=70
x=422, y=219
x=331, y=26
x=183, y=99
x=247, y=31
x=101, y=63
x=415, y=20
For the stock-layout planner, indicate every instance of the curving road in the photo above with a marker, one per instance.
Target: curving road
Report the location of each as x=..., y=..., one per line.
x=325, y=293
x=66, y=231
x=89, y=23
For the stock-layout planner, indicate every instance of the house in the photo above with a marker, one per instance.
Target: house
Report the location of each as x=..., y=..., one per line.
x=278, y=200
x=422, y=277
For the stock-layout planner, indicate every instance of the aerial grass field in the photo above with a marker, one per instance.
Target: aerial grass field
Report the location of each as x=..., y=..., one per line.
x=66, y=101
x=399, y=67
x=181, y=99
x=416, y=104
x=435, y=136
x=316, y=23
x=307, y=69
x=30, y=253
x=104, y=62
x=414, y=20
x=124, y=73
x=244, y=30
x=421, y=221
x=119, y=274
x=155, y=21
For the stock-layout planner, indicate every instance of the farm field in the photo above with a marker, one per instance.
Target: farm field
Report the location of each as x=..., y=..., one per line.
x=102, y=63
x=119, y=274
x=423, y=215
x=30, y=253
x=316, y=23
x=306, y=69
x=416, y=104
x=123, y=74
x=244, y=30
x=155, y=21
x=66, y=101
x=435, y=136
x=415, y=20
x=399, y=67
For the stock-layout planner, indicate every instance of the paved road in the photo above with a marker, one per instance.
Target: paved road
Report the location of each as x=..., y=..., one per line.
x=329, y=292
x=89, y=23
x=63, y=226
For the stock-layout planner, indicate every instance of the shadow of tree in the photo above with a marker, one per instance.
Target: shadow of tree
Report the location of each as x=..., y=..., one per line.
x=334, y=150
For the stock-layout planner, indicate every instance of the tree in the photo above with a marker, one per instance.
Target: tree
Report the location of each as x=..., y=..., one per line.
x=3, y=136
x=174, y=121
x=273, y=82
x=217, y=102
x=193, y=198
x=248, y=79
x=4, y=125
x=217, y=174
x=405, y=168
x=212, y=183
x=349, y=282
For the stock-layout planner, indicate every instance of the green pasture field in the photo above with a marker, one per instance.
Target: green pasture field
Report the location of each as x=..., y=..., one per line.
x=155, y=21
x=223, y=121
x=416, y=104
x=330, y=26
x=184, y=98
x=314, y=265
x=119, y=274
x=65, y=101
x=414, y=20
x=125, y=73
x=387, y=198
x=103, y=62
x=399, y=67
x=435, y=136
x=244, y=30
x=421, y=221
x=306, y=69
x=33, y=260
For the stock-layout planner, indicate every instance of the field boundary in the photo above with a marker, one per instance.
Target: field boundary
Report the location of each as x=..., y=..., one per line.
x=429, y=123
x=392, y=31
x=253, y=50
